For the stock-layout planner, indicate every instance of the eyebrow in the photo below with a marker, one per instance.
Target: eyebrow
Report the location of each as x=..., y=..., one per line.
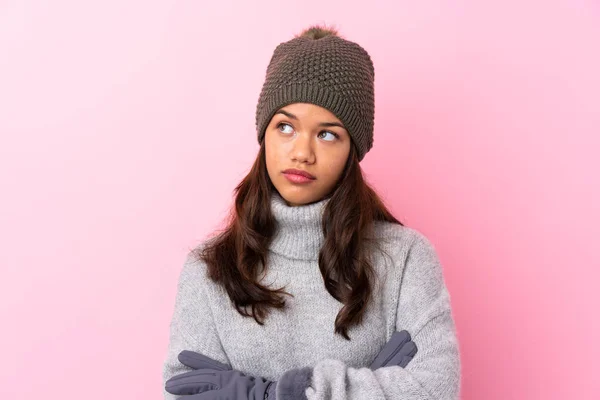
x=327, y=124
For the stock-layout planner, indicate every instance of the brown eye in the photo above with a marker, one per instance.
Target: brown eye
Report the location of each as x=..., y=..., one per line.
x=282, y=124
x=335, y=135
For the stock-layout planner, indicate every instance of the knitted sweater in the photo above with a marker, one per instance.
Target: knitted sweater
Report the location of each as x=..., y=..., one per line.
x=410, y=294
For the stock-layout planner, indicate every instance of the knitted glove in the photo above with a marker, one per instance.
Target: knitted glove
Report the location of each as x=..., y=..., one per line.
x=212, y=380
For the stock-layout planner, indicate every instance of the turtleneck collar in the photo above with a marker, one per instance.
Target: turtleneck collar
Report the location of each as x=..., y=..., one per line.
x=299, y=234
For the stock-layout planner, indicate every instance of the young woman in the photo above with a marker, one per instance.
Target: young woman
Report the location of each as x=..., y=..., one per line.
x=314, y=290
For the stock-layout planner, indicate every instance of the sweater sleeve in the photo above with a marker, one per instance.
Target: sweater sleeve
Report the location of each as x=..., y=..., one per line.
x=424, y=310
x=191, y=326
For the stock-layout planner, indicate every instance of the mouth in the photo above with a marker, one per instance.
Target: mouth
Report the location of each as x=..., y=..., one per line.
x=299, y=172
x=298, y=176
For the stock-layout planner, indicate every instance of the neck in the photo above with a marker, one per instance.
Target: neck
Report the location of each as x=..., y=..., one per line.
x=299, y=234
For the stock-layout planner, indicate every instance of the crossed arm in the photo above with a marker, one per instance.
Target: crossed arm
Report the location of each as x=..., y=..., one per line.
x=223, y=382
x=423, y=310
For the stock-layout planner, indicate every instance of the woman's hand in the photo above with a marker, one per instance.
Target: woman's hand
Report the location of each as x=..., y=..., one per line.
x=211, y=380
x=399, y=350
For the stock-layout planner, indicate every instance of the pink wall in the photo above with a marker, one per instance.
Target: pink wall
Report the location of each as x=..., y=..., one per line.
x=126, y=125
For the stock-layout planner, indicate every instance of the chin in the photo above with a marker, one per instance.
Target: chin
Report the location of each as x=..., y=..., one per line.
x=297, y=197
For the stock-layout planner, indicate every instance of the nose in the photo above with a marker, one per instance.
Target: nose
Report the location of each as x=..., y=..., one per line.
x=302, y=150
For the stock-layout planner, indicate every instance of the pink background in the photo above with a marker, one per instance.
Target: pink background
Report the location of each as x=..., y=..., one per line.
x=126, y=125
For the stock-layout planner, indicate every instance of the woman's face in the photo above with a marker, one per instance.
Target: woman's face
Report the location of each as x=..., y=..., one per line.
x=308, y=138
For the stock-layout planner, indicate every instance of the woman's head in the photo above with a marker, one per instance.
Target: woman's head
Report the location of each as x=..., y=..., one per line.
x=308, y=138
x=321, y=68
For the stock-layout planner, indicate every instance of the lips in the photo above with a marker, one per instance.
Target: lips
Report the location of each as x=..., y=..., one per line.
x=299, y=172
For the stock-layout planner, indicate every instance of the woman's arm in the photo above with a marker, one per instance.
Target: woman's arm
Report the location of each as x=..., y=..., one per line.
x=192, y=326
x=424, y=310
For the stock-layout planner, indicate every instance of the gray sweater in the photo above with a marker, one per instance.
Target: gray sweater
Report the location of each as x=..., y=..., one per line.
x=410, y=294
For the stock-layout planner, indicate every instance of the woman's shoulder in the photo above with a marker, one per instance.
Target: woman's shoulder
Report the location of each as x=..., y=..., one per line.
x=407, y=245
x=194, y=268
x=403, y=244
x=398, y=236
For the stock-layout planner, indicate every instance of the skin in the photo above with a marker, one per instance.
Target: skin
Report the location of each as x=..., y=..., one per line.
x=302, y=144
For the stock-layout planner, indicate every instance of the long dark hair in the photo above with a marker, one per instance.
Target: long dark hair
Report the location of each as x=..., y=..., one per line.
x=235, y=255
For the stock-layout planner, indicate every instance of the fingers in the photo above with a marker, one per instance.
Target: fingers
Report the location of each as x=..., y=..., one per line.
x=200, y=361
x=405, y=361
x=400, y=338
x=192, y=382
x=209, y=395
x=234, y=385
x=220, y=394
x=390, y=349
x=404, y=355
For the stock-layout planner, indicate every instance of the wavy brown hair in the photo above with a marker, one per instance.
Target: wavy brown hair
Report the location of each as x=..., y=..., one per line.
x=234, y=257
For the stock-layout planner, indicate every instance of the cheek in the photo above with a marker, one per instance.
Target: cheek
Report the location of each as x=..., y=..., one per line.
x=337, y=163
x=277, y=150
x=273, y=157
x=333, y=170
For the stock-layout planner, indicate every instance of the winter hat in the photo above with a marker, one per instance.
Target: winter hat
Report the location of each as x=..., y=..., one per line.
x=322, y=68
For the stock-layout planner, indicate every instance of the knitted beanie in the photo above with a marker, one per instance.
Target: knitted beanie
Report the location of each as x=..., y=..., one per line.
x=325, y=70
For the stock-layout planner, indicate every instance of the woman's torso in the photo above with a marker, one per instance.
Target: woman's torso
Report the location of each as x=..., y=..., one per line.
x=302, y=333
